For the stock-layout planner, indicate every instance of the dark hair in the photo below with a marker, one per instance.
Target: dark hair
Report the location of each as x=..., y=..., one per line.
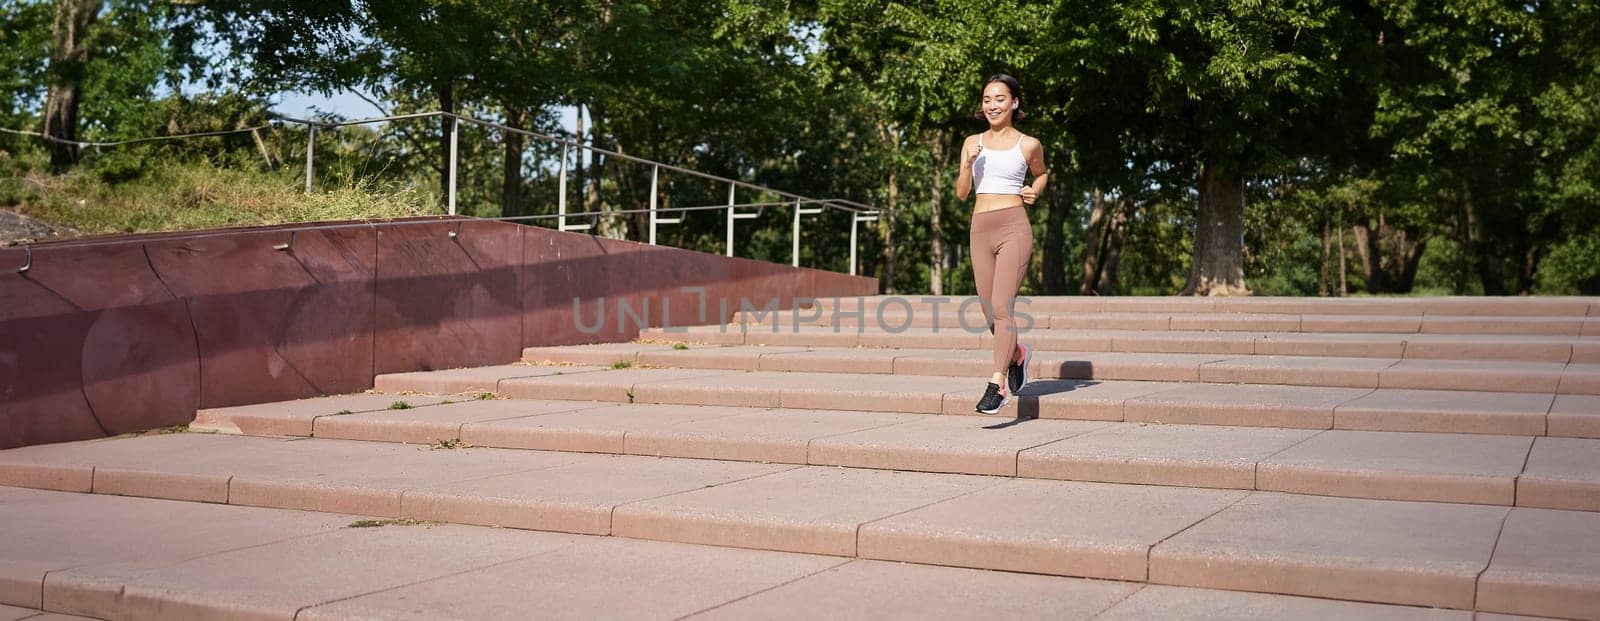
x=1016, y=93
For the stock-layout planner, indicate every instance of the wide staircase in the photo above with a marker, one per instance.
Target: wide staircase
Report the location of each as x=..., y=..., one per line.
x=1416, y=458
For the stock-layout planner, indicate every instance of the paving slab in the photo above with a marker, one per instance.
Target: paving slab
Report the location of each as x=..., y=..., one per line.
x=1575, y=416
x=1062, y=399
x=1095, y=530
x=178, y=466
x=58, y=531
x=1488, y=347
x=807, y=336
x=811, y=509
x=1108, y=321
x=1177, y=455
x=1055, y=340
x=871, y=393
x=965, y=445
x=473, y=379
x=581, y=582
x=703, y=335
x=1122, y=366
x=735, y=358
x=974, y=363
x=1469, y=324
x=1297, y=371
x=1332, y=345
x=12, y=613
x=1300, y=407
x=596, y=384
x=1459, y=468
x=1562, y=473
x=294, y=418
x=779, y=436
x=944, y=338
x=1580, y=379
x=833, y=360
x=1586, y=350
x=1393, y=324
x=597, y=430
x=277, y=581
x=1244, y=322
x=1237, y=343
x=1165, y=602
x=1446, y=411
x=576, y=496
x=879, y=590
x=596, y=355
x=1547, y=564
x=366, y=477
x=432, y=424
x=1473, y=375
x=1410, y=553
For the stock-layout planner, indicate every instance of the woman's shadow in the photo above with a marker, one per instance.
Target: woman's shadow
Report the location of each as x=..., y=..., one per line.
x=1027, y=399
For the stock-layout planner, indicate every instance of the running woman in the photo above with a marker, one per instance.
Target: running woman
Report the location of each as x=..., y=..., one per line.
x=997, y=161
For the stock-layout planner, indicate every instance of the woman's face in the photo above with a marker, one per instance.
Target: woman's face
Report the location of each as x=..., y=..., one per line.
x=997, y=102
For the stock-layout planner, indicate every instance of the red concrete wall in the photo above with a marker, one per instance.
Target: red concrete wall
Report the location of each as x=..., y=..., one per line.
x=139, y=332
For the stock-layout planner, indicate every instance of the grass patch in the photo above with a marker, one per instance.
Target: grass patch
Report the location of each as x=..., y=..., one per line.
x=453, y=443
x=342, y=413
x=630, y=395
x=680, y=346
x=200, y=195
x=394, y=522
x=486, y=396
x=400, y=405
x=621, y=364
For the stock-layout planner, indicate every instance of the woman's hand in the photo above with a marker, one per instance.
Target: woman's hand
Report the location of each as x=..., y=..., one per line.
x=971, y=153
x=1029, y=195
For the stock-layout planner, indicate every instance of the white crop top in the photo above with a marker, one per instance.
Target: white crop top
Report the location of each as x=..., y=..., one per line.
x=1000, y=172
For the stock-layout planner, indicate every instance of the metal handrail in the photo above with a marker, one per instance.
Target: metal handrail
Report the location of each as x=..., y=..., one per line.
x=860, y=213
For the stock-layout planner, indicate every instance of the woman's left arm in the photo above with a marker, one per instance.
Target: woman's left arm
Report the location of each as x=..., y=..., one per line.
x=1033, y=150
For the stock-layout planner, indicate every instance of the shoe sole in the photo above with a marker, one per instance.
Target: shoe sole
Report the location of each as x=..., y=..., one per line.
x=1027, y=358
x=1003, y=402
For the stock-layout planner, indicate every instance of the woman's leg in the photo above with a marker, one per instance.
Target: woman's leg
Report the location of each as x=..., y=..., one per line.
x=1014, y=243
x=981, y=243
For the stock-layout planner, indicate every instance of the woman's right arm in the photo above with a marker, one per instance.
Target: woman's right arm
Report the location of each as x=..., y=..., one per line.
x=969, y=152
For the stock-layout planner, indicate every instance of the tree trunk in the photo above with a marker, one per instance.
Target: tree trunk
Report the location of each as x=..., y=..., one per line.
x=511, y=190
x=445, y=91
x=886, y=230
x=1482, y=261
x=1092, y=237
x=1371, y=257
x=1410, y=258
x=1115, y=229
x=1344, y=265
x=1217, y=267
x=936, y=231
x=69, y=58
x=1322, y=275
x=1055, y=241
x=1530, y=267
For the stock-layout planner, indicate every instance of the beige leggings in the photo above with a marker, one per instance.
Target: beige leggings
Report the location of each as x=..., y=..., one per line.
x=1002, y=245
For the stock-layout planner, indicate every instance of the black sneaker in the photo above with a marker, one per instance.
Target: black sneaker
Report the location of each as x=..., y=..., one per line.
x=992, y=400
x=1017, y=373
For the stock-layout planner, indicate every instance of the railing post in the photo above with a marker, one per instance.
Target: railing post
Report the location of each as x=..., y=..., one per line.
x=855, y=223
x=561, y=192
x=794, y=243
x=311, y=148
x=732, y=188
x=455, y=125
x=655, y=175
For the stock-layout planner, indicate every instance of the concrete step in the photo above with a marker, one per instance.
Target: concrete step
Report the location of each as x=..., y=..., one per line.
x=1305, y=407
x=1401, y=346
x=897, y=316
x=1527, y=561
x=1474, y=375
x=1556, y=473
x=1491, y=306
x=242, y=562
